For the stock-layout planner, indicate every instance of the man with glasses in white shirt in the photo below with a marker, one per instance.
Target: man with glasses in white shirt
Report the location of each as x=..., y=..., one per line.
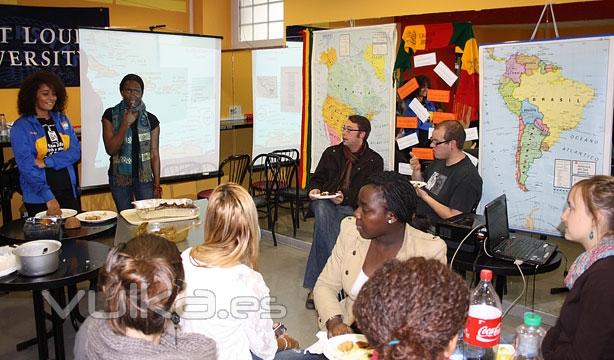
x=342, y=171
x=453, y=184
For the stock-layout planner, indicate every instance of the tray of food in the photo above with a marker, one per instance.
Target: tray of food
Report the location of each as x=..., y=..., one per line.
x=153, y=209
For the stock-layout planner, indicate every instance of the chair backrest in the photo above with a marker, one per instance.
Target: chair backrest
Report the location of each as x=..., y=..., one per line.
x=270, y=173
x=234, y=167
x=291, y=153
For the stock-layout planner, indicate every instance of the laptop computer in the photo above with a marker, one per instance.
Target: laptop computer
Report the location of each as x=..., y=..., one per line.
x=501, y=245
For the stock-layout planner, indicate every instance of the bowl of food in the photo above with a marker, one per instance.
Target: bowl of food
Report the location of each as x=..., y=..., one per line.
x=171, y=231
x=38, y=257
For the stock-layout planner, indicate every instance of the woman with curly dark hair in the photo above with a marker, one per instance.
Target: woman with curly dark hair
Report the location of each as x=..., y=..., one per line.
x=140, y=282
x=412, y=309
x=45, y=146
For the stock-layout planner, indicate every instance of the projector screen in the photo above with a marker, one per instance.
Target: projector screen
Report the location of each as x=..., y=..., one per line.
x=277, y=78
x=181, y=74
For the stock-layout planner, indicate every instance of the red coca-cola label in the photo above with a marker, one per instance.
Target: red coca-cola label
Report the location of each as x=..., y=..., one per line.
x=482, y=333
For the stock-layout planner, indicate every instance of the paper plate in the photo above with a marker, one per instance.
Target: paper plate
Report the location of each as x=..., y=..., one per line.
x=97, y=216
x=332, y=349
x=8, y=262
x=66, y=213
x=329, y=196
x=418, y=184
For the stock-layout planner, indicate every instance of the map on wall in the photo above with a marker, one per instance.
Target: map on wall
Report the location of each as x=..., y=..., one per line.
x=352, y=74
x=546, y=123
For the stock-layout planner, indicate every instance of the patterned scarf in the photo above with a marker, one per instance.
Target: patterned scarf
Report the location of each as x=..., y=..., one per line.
x=604, y=249
x=350, y=159
x=121, y=162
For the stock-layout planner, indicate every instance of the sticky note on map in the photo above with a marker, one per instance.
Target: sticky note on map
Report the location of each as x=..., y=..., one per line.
x=439, y=116
x=408, y=88
x=442, y=96
x=407, y=141
x=445, y=73
x=407, y=122
x=423, y=153
x=431, y=132
x=419, y=110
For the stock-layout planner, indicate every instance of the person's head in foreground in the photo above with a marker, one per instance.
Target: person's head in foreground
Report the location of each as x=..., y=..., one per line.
x=140, y=281
x=412, y=309
x=589, y=216
x=385, y=203
x=232, y=233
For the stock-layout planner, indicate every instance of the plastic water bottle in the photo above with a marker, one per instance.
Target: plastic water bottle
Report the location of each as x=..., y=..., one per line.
x=4, y=129
x=459, y=352
x=529, y=338
x=483, y=326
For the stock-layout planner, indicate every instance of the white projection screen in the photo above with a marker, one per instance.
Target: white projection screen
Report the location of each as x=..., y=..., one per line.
x=181, y=74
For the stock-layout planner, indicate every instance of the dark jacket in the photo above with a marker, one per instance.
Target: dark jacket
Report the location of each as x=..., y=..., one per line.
x=585, y=328
x=330, y=167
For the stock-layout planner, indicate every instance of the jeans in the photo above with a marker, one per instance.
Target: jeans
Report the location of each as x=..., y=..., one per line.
x=328, y=218
x=123, y=195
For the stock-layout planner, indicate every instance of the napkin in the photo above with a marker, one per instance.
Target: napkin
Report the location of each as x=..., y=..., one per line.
x=319, y=346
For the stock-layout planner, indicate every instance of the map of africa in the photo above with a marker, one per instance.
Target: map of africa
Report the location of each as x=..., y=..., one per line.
x=352, y=74
x=544, y=125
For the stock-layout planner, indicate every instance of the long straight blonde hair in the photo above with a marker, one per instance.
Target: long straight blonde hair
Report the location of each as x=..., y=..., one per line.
x=232, y=233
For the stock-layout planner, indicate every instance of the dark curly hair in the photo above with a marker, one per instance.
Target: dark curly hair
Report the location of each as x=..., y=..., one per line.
x=140, y=281
x=399, y=194
x=26, y=99
x=419, y=302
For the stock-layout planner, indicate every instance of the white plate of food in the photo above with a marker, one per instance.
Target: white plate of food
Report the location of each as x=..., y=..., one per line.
x=348, y=347
x=325, y=195
x=8, y=262
x=97, y=216
x=418, y=184
x=66, y=213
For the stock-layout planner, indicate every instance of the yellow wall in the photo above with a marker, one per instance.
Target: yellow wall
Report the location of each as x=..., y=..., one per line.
x=301, y=12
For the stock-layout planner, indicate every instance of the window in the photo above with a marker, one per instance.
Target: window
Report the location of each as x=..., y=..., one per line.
x=257, y=23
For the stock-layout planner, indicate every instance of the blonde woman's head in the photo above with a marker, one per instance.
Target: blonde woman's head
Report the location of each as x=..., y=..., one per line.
x=232, y=234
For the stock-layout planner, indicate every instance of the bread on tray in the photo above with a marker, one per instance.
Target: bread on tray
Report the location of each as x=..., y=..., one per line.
x=164, y=208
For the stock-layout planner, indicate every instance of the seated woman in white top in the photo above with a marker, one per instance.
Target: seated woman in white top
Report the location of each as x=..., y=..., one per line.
x=227, y=300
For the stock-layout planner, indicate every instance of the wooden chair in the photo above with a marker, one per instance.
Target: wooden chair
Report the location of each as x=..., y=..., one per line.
x=235, y=167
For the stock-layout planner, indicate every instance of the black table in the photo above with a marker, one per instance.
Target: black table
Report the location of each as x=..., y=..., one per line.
x=80, y=260
x=500, y=268
x=12, y=233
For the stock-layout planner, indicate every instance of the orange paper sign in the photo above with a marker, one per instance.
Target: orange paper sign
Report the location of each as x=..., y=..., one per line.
x=438, y=95
x=438, y=117
x=407, y=122
x=408, y=88
x=423, y=153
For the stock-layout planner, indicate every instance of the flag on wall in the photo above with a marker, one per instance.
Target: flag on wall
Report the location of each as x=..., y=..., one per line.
x=305, y=162
x=441, y=38
x=43, y=38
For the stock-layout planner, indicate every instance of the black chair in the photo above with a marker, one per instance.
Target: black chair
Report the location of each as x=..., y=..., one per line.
x=269, y=176
x=293, y=193
x=235, y=167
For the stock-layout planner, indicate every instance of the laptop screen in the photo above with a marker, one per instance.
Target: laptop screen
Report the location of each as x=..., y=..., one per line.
x=496, y=221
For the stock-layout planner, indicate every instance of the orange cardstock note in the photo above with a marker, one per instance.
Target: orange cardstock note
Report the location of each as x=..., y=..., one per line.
x=438, y=95
x=438, y=116
x=408, y=88
x=407, y=122
x=423, y=153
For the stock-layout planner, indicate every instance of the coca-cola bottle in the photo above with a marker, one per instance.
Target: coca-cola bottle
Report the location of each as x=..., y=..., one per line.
x=483, y=325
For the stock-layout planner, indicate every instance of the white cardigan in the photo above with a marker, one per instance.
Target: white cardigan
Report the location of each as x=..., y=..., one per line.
x=230, y=306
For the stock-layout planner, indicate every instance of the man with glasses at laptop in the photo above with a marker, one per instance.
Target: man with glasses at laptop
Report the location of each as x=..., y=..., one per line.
x=453, y=184
x=343, y=169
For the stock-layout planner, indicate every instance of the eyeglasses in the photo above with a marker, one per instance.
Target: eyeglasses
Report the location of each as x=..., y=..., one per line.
x=435, y=142
x=349, y=129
